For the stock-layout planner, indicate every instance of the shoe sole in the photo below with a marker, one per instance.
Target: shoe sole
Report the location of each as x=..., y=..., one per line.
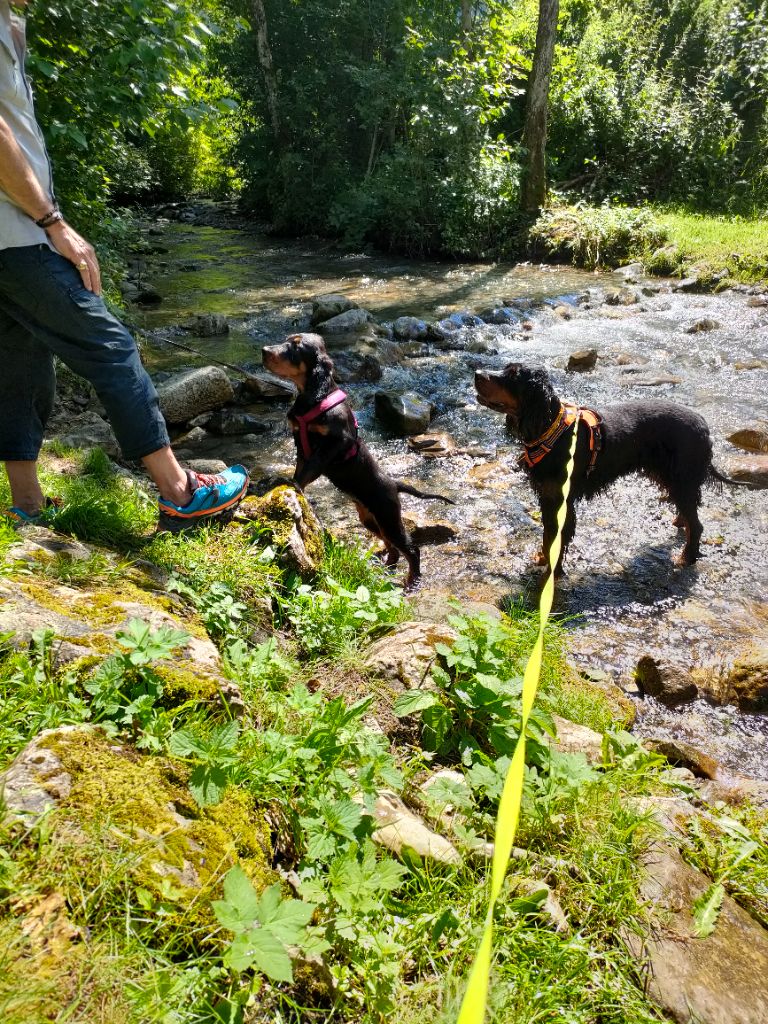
x=173, y=522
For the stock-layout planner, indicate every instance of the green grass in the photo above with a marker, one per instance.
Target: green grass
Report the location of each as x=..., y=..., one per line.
x=738, y=243
x=667, y=241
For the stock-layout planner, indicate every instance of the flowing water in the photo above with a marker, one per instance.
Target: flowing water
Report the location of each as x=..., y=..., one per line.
x=621, y=596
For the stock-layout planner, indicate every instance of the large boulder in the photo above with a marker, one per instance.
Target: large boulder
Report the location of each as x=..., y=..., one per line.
x=621, y=297
x=403, y=413
x=325, y=307
x=191, y=392
x=292, y=526
x=720, y=979
x=356, y=365
x=582, y=361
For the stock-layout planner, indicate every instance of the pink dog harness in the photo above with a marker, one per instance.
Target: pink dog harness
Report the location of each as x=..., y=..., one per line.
x=330, y=402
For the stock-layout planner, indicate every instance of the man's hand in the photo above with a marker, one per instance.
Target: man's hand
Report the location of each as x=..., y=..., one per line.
x=74, y=248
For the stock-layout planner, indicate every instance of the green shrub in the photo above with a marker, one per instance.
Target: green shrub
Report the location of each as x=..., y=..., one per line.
x=597, y=236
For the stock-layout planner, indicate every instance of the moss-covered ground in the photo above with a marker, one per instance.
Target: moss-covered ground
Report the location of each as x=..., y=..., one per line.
x=93, y=931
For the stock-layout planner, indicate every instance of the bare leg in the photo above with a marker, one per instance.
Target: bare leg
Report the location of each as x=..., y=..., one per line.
x=168, y=476
x=26, y=492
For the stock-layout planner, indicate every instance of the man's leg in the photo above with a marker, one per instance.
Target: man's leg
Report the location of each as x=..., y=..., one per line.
x=27, y=388
x=44, y=293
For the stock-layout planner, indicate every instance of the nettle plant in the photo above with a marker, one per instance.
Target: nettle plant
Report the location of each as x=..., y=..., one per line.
x=326, y=618
x=473, y=710
x=126, y=688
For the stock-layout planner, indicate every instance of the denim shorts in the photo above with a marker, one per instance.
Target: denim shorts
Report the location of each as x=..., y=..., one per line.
x=44, y=312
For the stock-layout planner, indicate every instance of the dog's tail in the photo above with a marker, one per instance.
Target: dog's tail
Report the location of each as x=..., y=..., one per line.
x=716, y=476
x=407, y=489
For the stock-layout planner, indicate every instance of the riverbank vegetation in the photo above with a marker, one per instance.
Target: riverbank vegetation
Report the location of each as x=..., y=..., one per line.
x=304, y=913
x=400, y=124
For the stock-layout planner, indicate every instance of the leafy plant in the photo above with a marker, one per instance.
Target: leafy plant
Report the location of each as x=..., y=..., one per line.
x=126, y=689
x=219, y=609
x=474, y=706
x=265, y=927
x=215, y=754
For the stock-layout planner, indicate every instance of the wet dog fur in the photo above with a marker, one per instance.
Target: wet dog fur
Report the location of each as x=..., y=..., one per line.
x=303, y=360
x=667, y=443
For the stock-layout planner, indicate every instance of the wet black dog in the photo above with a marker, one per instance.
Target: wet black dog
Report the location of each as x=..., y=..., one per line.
x=667, y=443
x=327, y=444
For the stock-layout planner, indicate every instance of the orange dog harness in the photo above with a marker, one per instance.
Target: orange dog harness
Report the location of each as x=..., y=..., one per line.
x=537, y=450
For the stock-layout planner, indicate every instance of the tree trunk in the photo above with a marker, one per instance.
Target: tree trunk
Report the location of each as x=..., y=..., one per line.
x=534, y=189
x=259, y=25
x=466, y=17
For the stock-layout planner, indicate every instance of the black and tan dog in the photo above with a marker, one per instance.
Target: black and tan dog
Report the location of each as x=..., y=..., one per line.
x=327, y=444
x=665, y=442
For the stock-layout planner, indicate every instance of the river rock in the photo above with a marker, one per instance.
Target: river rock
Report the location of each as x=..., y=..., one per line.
x=346, y=323
x=263, y=385
x=410, y=328
x=293, y=527
x=325, y=307
x=148, y=296
x=207, y=466
x=582, y=361
x=500, y=315
x=208, y=325
x=352, y=367
x=630, y=272
x=753, y=437
x=751, y=469
x=399, y=828
x=670, y=684
x=757, y=301
x=191, y=392
x=564, y=312
x=404, y=658
x=746, y=683
x=684, y=755
x=621, y=297
x=702, y=326
x=722, y=979
x=430, y=531
x=89, y=430
x=432, y=446
x=406, y=413
x=231, y=422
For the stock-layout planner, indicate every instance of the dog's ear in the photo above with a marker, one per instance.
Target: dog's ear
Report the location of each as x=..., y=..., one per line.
x=512, y=370
x=320, y=373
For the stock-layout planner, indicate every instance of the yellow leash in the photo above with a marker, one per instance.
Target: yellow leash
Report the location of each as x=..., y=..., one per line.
x=473, y=1005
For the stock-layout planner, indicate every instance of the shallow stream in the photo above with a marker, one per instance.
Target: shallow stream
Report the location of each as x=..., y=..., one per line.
x=621, y=597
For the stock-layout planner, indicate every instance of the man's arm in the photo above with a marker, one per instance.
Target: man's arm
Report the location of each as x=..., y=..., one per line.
x=18, y=182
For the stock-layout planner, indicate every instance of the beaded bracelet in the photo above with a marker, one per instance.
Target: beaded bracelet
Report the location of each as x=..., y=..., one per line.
x=52, y=217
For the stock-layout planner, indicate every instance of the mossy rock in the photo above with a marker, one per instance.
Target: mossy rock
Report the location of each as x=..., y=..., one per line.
x=138, y=813
x=86, y=619
x=294, y=529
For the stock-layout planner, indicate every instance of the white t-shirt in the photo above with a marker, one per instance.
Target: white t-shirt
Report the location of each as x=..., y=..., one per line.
x=17, y=110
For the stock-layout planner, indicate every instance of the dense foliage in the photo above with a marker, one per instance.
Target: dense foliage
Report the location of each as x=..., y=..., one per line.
x=399, y=121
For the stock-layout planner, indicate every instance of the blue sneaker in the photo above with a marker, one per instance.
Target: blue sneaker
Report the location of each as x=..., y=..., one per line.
x=214, y=499
x=45, y=515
